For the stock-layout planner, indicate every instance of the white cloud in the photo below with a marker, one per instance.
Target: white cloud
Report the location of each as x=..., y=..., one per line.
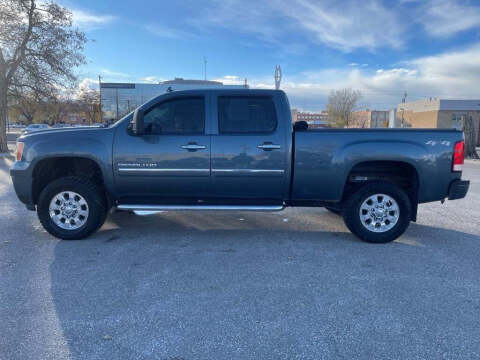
x=90, y=21
x=88, y=83
x=114, y=74
x=348, y=25
x=345, y=25
x=448, y=17
x=151, y=79
x=166, y=32
x=447, y=75
x=230, y=80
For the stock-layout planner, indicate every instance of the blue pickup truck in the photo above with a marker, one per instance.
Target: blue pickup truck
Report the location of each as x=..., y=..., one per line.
x=234, y=150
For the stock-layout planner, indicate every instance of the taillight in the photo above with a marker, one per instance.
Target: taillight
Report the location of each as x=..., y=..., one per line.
x=19, y=151
x=458, y=156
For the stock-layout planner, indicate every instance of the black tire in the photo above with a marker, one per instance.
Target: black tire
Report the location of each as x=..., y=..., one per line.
x=333, y=210
x=351, y=213
x=93, y=196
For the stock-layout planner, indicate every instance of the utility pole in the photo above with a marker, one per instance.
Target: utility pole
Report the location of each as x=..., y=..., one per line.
x=100, y=100
x=205, y=67
x=116, y=99
x=404, y=99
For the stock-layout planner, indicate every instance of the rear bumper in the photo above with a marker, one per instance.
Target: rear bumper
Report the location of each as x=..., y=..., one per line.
x=458, y=189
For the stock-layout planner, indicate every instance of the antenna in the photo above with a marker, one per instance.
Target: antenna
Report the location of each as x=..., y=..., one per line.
x=205, y=67
x=278, y=76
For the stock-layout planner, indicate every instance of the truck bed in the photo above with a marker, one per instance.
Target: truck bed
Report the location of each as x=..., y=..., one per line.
x=324, y=158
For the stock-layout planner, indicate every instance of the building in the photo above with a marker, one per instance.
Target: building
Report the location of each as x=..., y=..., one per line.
x=370, y=119
x=119, y=99
x=314, y=120
x=439, y=113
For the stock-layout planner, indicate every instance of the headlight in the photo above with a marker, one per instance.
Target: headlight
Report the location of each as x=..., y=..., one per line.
x=19, y=150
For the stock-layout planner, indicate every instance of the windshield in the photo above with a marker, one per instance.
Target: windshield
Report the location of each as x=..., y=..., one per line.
x=119, y=120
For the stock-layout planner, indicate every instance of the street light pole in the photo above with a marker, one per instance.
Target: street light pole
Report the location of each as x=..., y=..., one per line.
x=100, y=94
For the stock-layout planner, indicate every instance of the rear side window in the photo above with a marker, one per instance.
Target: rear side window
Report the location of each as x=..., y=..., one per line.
x=246, y=114
x=176, y=116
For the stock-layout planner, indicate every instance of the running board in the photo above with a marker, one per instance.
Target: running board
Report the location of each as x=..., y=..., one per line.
x=152, y=209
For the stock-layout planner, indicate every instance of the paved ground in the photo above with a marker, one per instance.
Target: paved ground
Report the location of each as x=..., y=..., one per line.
x=284, y=285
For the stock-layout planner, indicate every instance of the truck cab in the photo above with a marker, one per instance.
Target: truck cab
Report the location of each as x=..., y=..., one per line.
x=206, y=147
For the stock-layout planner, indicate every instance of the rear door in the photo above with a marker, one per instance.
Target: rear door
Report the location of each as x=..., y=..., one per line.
x=172, y=158
x=249, y=154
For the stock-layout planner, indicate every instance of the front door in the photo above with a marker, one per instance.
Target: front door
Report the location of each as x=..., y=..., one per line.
x=171, y=160
x=249, y=154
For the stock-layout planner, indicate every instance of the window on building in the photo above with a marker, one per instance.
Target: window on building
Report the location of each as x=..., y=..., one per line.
x=177, y=116
x=246, y=114
x=457, y=121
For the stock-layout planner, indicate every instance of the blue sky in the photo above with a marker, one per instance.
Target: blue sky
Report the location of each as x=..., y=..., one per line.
x=428, y=48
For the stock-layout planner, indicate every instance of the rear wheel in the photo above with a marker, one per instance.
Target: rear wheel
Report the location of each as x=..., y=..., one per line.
x=71, y=208
x=378, y=212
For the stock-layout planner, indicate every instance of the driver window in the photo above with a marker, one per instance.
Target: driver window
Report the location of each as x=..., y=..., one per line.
x=176, y=117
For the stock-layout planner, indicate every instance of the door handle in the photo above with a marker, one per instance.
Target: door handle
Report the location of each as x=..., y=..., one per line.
x=193, y=147
x=268, y=146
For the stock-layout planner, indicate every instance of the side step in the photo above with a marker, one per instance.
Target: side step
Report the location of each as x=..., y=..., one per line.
x=152, y=209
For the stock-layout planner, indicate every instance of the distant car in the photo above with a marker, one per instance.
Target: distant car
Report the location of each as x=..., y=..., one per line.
x=57, y=126
x=34, y=127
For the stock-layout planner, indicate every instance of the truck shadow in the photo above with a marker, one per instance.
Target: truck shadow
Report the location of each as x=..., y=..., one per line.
x=156, y=287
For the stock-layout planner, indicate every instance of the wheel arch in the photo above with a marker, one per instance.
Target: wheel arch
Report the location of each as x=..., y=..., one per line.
x=51, y=168
x=401, y=173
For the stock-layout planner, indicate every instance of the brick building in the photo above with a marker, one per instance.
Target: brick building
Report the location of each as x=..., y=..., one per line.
x=314, y=120
x=370, y=119
x=439, y=113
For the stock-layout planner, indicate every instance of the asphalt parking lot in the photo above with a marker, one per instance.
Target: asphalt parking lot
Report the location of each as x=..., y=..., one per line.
x=289, y=285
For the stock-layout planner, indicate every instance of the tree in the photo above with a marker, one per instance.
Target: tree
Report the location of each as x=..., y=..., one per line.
x=341, y=104
x=89, y=104
x=470, y=138
x=59, y=105
x=39, y=50
x=26, y=107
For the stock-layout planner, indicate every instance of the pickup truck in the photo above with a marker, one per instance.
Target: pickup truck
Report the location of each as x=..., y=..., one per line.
x=236, y=149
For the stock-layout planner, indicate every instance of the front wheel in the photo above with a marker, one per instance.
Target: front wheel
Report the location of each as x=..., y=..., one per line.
x=71, y=208
x=378, y=212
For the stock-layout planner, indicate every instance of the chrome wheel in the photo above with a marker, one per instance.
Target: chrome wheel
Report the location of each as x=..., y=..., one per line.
x=379, y=213
x=68, y=210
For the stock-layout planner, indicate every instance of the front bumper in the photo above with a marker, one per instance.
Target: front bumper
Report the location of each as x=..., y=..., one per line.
x=22, y=183
x=458, y=189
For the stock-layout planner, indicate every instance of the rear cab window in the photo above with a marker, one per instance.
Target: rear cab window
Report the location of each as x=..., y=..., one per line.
x=246, y=115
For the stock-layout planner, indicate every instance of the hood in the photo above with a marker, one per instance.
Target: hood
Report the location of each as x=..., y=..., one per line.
x=52, y=133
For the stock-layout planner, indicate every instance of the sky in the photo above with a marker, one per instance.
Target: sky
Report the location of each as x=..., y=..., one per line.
x=384, y=48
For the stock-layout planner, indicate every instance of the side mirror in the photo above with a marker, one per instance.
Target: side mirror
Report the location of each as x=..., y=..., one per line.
x=137, y=122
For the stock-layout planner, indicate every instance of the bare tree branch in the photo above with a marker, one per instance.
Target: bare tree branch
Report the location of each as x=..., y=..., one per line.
x=39, y=50
x=341, y=104
x=19, y=53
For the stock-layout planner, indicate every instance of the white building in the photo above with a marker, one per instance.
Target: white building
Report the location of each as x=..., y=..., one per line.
x=119, y=99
